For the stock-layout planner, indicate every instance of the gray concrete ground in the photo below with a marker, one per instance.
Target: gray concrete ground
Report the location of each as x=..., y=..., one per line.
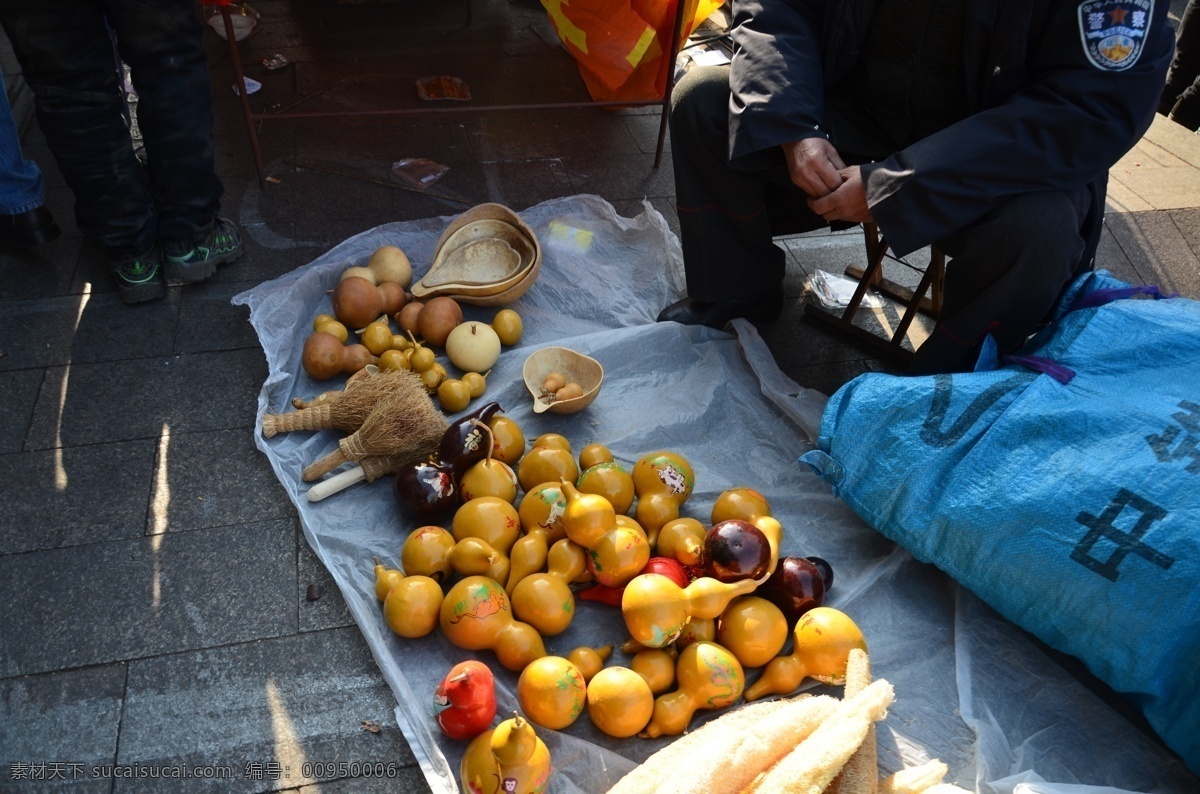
x=152, y=571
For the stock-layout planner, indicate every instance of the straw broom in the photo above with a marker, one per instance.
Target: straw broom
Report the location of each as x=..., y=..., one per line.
x=404, y=423
x=345, y=410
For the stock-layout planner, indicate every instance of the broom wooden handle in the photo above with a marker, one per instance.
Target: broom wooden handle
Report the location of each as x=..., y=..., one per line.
x=337, y=482
x=322, y=466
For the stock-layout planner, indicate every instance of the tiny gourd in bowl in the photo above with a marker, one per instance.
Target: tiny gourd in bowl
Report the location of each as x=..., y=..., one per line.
x=573, y=367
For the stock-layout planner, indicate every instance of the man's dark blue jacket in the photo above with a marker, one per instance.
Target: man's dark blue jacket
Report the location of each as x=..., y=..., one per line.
x=1059, y=90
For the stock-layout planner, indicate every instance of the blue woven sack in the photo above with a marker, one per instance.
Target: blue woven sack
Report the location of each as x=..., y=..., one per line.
x=1062, y=487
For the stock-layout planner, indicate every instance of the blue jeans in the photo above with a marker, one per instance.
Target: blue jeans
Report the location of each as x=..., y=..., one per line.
x=20, y=179
x=66, y=50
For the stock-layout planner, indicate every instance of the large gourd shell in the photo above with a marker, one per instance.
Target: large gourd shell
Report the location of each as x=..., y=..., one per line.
x=575, y=367
x=487, y=256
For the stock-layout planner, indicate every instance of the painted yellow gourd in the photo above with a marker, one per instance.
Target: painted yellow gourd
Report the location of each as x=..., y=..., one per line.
x=616, y=552
x=552, y=692
x=488, y=518
x=589, y=660
x=426, y=552
x=744, y=503
x=476, y=615
x=656, y=609
x=545, y=600
x=708, y=676
x=662, y=481
x=681, y=539
x=822, y=641
x=508, y=758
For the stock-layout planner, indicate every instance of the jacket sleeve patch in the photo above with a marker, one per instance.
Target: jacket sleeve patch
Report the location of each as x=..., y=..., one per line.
x=1113, y=32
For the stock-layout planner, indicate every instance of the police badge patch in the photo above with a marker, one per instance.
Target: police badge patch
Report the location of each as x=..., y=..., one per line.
x=1114, y=31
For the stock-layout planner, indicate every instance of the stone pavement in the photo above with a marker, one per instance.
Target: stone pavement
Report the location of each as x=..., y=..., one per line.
x=152, y=572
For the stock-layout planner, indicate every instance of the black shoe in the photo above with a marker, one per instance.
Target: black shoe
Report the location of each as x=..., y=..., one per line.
x=757, y=308
x=29, y=228
x=139, y=278
x=222, y=243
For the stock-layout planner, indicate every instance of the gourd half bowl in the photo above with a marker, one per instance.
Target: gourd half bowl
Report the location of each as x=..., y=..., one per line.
x=487, y=256
x=575, y=367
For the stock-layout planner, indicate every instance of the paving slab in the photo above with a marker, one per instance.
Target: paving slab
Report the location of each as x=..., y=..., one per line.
x=128, y=599
x=138, y=398
x=217, y=479
x=1156, y=249
x=56, y=728
x=65, y=497
x=43, y=272
x=278, y=713
x=81, y=328
x=319, y=602
x=628, y=176
x=208, y=321
x=18, y=394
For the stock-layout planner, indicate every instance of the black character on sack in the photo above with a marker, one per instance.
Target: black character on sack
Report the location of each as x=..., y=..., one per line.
x=1189, y=445
x=931, y=431
x=1104, y=527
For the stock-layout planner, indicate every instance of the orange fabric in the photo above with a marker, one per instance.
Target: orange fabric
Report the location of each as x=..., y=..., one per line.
x=620, y=45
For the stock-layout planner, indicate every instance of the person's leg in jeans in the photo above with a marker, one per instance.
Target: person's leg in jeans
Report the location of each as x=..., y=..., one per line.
x=66, y=51
x=163, y=44
x=1004, y=277
x=24, y=219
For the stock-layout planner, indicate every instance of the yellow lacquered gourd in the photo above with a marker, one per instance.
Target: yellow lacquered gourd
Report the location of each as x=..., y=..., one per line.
x=656, y=609
x=385, y=579
x=545, y=600
x=616, y=552
x=476, y=615
x=822, y=641
x=770, y=527
x=589, y=660
x=681, y=539
x=509, y=757
x=708, y=676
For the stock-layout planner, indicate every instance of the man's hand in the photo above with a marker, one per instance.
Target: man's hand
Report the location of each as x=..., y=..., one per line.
x=848, y=202
x=814, y=165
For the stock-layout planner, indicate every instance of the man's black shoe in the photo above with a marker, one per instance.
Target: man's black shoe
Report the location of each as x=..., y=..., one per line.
x=757, y=308
x=29, y=228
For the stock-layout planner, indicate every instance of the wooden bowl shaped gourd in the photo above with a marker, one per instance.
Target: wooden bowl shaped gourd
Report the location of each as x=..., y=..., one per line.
x=574, y=367
x=487, y=256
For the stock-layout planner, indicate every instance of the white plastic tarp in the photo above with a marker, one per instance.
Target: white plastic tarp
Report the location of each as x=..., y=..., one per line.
x=970, y=688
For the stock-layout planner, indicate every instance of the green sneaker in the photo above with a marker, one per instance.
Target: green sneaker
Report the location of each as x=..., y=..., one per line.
x=221, y=244
x=139, y=278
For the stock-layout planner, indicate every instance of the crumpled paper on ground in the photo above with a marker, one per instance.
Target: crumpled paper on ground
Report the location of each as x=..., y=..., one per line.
x=970, y=688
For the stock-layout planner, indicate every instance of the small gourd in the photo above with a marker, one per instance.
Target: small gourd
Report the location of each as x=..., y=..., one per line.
x=616, y=552
x=545, y=600
x=473, y=556
x=385, y=579
x=682, y=540
x=822, y=641
x=589, y=660
x=508, y=758
x=656, y=608
x=476, y=615
x=709, y=677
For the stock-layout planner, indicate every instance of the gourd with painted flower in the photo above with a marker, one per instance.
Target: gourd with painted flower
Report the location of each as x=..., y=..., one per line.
x=476, y=615
x=545, y=600
x=708, y=677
